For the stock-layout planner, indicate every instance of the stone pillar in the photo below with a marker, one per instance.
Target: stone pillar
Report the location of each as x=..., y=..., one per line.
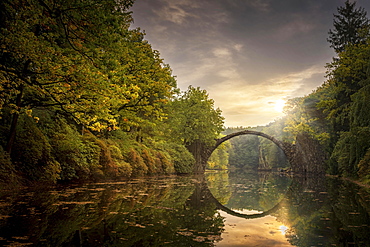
x=201, y=154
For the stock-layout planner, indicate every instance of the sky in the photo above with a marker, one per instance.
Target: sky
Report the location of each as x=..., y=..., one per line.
x=250, y=55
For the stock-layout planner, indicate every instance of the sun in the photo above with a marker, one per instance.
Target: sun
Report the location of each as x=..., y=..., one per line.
x=279, y=105
x=283, y=229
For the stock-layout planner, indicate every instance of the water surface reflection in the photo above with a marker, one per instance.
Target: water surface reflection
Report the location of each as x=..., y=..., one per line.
x=142, y=212
x=214, y=210
x=310, y=211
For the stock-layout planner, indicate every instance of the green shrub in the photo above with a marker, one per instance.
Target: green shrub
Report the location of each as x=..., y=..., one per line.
x=149, y=162
x=68, y=151
x=364, y=167
x=164, y=161
x=182, y=160
x=137, y=163
x=78, y=155
x=115, y=152
x=32, y=153
x=351, y=149
x=124, y=169
x=8, y=175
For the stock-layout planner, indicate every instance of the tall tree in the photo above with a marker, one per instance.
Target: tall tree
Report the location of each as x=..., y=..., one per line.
x=51, y=56
x=193, y=120
x=350, y=27
x=81, y=59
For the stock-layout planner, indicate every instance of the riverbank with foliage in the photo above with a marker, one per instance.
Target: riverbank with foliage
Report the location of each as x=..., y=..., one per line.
x=83, y=96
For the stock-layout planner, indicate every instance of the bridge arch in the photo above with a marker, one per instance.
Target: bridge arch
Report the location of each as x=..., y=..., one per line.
x=280, y=144
x=200, y=165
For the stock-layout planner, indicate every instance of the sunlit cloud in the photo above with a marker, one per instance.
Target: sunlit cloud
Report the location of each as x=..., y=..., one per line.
x=251, y=56
x=221, y=52
x=279, y=105
x=260, y=103
x=190, y=13
x=291, y=82
x=238, y=47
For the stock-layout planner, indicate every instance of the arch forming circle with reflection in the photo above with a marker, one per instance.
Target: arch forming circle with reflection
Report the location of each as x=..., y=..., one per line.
x=241, y=215
x=285, y=147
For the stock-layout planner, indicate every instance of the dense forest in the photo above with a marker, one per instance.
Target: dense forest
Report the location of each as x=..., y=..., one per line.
x=84, y=96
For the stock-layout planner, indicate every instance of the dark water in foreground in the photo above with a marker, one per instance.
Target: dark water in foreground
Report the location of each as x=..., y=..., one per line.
x=220, y=209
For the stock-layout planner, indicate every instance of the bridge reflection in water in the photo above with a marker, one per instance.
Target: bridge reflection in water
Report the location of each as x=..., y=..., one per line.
x=315, y=210
x=203, y=195
x=181, y=211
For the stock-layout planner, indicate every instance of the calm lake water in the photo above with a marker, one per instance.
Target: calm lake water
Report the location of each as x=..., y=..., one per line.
x=218, y=209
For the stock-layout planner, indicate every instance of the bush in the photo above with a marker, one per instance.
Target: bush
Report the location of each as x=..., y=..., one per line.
x=351, y=149
x=8, y=176
x=182, y=160
x=164, y=161
x=79, y=155
x=364, y=167
x=149, y=162
x=32, y=153
x=124, y=169
x=137, y=163
x=68, y=150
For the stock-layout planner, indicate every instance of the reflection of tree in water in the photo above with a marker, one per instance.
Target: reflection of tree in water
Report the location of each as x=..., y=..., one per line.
x=250, y=190
x=319, y=211
x=139, y=213
x=325, y=211
x=207, y=195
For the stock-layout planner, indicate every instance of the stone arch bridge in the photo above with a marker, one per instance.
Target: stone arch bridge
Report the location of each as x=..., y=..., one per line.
x=305, y=156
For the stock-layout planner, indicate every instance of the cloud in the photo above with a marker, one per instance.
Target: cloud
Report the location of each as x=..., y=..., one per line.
x=221, y=52
x=261, y=5
x=176, y=11
x=296, y=26
x=244, y=53
x=255, y=104
x=189, y=13
x=296, y=84
x=208, y=65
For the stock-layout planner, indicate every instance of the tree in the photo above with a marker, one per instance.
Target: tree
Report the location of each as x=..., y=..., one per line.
x=51, y=57
x=350, y=27
x=244, y=151
x=193, y=121
x=80, y=59
x=192, y=117
x=150, y=83
x=220, y=157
